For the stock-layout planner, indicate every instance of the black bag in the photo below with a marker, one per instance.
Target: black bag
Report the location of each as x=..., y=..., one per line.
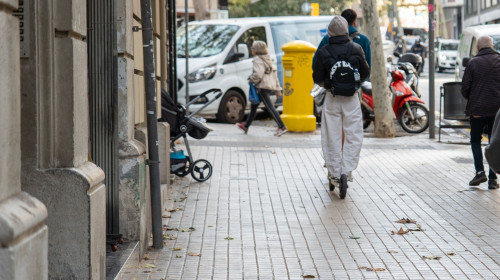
x=343, y=77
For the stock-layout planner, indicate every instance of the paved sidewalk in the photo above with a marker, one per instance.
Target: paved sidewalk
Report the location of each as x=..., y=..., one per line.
x=266, y=213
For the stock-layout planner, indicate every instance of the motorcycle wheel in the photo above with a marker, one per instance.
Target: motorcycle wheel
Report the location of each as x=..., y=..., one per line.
x=421, y=121
x=366, y=117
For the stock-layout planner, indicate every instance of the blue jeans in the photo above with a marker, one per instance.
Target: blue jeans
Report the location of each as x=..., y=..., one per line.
x=264, y=97
x=477, y=126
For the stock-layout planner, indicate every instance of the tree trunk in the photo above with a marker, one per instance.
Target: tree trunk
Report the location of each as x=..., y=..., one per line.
x=200, y=10
x=384, y=115
x=396, y=15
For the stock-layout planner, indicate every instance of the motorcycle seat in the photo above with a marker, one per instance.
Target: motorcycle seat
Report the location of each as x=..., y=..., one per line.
x=366, y=87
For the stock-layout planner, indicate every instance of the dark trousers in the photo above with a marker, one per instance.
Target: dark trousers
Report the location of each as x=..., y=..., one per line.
x=477, y=126
x=264, y=97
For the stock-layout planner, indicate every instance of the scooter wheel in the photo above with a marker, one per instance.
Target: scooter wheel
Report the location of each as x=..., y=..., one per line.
x=343, y=186
x=201, y=170
x=420, y=121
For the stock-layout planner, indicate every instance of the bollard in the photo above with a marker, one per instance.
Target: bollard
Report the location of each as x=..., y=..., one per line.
x=298, y=114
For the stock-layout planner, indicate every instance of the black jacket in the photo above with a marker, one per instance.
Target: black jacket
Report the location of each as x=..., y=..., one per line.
x=325, y=61
x=481, y=83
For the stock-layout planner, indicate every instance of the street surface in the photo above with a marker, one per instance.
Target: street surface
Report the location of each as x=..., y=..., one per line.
x=266, y=212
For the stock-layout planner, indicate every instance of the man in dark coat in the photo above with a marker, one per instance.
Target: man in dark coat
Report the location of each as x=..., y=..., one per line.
x=481, y=86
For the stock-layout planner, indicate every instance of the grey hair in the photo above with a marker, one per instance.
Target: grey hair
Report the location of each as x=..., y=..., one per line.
x=259, y=47
x=484, y=42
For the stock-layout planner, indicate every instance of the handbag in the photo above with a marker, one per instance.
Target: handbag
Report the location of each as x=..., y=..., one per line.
x=253, y=97
x=318, y=93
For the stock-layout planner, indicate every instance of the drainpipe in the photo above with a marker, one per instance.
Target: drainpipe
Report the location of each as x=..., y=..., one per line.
x=150, y=87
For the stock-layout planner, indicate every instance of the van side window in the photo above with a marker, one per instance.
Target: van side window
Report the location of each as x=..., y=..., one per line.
x=251, y=35
x=473, y=48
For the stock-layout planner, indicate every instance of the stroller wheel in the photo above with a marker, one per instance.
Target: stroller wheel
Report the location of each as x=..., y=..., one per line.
x=201, y=170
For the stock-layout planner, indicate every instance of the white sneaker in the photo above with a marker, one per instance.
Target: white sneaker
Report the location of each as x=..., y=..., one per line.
x=280, y=131
x=350, y=178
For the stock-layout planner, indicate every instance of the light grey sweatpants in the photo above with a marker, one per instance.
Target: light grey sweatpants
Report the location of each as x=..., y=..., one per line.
x=341, y=112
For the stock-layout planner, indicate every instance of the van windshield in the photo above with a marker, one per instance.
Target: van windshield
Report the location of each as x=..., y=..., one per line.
x=449, y=46
x=204, y=39
x=284, y=32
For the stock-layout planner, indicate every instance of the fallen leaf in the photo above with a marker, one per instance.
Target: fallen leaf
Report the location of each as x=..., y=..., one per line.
x=375, y=269
x=193, y=254
x=229, y=238
x=406, y=221
x=451, y=254
x=392, y=252
x=401, y=231
x=187, y=229
x=177, y=256
x=149, y=265
x=354, y=237
x=169, y=237
x=146, y=258
x=180, y=199
x=266, y=146
x=210, y=226
x=273, y=152
x=166, y=216
x=419, y=228
x=176, y=249
x=479, y=235
x=431, y=258
x=308, y=276
x=370, y=268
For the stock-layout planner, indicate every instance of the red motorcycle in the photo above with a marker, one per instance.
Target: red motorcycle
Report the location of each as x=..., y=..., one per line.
x=408, y=108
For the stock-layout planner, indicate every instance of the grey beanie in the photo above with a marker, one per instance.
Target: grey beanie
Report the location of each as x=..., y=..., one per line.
x=338, y=26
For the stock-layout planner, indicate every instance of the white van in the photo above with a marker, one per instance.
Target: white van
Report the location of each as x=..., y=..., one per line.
x=468, y=44
x=219, y=57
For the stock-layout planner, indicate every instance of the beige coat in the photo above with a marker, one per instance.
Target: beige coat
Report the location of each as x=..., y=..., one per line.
x=264, y=73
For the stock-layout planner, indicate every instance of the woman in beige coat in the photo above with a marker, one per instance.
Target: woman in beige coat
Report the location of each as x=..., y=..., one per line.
x=266, y=82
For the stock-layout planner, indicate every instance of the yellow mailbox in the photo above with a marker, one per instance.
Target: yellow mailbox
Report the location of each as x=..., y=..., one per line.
x=298, y=112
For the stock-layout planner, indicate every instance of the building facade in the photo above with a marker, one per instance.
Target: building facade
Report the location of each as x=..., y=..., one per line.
x=73, y=139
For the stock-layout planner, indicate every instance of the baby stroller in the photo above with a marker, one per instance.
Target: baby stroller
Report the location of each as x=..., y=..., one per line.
x=181, y=126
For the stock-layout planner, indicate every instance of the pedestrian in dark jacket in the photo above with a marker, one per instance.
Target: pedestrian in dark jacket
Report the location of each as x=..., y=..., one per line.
x=358, y=38
x=481, y=86
x=341, y=112
x=492, y=151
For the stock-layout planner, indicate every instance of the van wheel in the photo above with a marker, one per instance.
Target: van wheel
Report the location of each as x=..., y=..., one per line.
x=232, y=108
x=440, y=69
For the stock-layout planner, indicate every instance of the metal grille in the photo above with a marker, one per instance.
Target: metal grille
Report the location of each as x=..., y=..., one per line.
x=102, y=66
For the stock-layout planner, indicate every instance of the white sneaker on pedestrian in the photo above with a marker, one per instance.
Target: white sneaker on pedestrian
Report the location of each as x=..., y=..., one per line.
x=350, y=178
x=280, y=131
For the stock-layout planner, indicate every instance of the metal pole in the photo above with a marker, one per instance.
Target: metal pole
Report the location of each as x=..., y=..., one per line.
x=150, y=87
x=186, y=52
x=432, y=112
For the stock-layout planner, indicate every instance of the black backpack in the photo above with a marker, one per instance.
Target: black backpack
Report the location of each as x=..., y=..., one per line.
x=344, y=77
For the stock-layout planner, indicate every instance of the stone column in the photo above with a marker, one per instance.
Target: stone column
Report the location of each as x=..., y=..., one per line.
x=133, y=176
x=23, y=233
x=55, y=137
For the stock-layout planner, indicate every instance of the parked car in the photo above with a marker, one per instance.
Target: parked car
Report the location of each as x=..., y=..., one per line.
x=219, y=57
x=468, y=45
x=446, y=54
